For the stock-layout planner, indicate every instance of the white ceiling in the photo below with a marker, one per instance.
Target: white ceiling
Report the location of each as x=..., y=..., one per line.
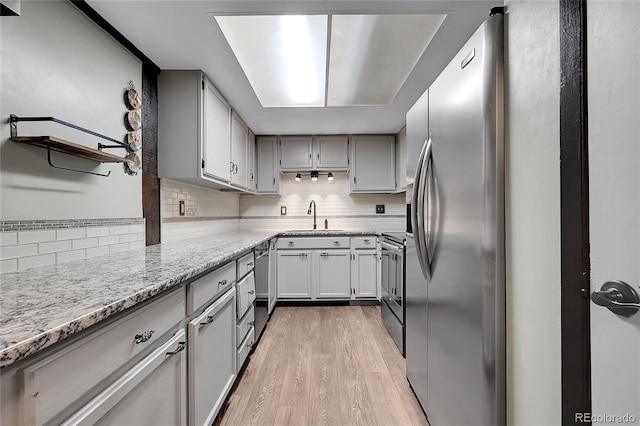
x=181, y=35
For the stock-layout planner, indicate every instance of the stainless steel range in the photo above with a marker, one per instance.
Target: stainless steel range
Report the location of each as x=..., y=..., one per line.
x=392, y=305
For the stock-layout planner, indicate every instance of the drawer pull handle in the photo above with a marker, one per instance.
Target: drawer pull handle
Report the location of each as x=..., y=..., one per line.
x=252, y=323
x=209, y=320
x=223, y=282
x=143, y=337
x=367, y=241
x=290, y=243
x=251, y=292
x=180, y=348
x=324, y=254
x=336, y=243
x=250, y=265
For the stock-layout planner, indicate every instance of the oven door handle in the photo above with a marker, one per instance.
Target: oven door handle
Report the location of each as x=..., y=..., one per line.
x=391, y=247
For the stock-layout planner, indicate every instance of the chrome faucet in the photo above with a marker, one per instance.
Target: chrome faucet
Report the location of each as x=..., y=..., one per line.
x=313, y=203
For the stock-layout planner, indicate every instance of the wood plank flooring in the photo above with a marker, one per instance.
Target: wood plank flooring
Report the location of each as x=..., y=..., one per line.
x=323, y=365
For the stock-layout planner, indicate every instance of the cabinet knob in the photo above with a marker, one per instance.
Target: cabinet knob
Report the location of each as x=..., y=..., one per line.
x=336, y=243
x=222, y=283
x=250, y=265
x=290, y=244
x=143, y=337
x=250, y=292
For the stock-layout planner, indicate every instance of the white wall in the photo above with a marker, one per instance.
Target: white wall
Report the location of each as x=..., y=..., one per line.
x=56, y=62
x=333, y=202
x=533, y=213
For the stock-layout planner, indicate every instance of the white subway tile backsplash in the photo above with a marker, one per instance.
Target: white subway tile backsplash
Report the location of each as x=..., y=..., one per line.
x=27, y=237
x=115, y=248
x=71, y=233
x=97, y=231
x=10, y=265
x=53, y=247
x=8, y=238
x=97, y=251
x=33, y=261
x=119, y=230
x=84, y=243
x=127, y=238
x=105, y=241
x=38, y=247
x=66, y=256
x=13, y=252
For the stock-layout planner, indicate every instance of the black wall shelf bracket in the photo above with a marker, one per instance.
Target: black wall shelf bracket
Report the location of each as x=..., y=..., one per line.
x=72, y=170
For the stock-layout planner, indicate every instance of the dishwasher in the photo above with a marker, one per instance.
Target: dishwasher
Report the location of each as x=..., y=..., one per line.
x=261, y=271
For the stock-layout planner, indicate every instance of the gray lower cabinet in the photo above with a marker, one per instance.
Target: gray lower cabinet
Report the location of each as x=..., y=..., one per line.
x=212, y=357
x=294, y=274
x=333, y=273
x=365, y=274
x=153, y=392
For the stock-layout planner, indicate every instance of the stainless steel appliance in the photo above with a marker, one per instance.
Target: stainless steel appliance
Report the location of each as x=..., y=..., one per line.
x=392, y=303
x=261, y=312
x=455, y=264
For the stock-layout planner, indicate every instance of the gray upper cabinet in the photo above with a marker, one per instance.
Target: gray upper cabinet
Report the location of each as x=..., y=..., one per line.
x=239, y=141
x=373, y=167
x=193, y=129
x=331, y=153
x=217, y=131
x=267, y=168
x=295, y=153
x=252, y=180
x=299, y=153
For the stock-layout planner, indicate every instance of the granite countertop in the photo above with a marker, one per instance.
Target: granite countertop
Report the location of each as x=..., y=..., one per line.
x=41, y=306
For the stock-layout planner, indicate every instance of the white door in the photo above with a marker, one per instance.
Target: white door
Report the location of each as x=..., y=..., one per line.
x=613, y=51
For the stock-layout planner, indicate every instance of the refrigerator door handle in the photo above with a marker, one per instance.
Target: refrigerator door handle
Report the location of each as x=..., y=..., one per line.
x=418, y=209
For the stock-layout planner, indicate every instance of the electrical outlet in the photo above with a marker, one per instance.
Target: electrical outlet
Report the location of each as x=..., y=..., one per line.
x=379, y=208
x=283, y=210
x=181, y=207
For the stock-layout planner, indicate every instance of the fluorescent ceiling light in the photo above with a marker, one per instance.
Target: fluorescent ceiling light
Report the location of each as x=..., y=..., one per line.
x=283, y=57
x=370, y=56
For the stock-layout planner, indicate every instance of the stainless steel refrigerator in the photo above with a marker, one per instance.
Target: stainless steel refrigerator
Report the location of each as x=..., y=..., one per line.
x=455, y=259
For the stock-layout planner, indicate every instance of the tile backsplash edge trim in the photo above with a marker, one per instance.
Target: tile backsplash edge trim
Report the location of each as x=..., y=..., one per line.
x=33, y=225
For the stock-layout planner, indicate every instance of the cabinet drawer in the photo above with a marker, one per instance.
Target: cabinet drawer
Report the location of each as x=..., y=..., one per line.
x=245, y=325
x=55, y=382
x=245, y=265
x=134, y=398
x=368, y=242
x=244, y=349
x=204, y=289
x=313, y=243
x=246, y=294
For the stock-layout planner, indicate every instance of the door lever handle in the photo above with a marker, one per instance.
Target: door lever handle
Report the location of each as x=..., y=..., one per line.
x=619, y=297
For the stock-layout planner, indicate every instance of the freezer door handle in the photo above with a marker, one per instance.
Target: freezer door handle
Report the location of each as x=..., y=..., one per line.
x=420, y=233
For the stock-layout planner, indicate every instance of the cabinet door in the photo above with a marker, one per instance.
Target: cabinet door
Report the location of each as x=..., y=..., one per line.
x=238, y=164
x=217, y=133
x=212, y=354
x=373, y=164
x=252, y=179
x=333, y=274
x=294, y=277
x=365, y=276
x=153, y=392
x=295, y=153
x=331, y=153
x=267, y=167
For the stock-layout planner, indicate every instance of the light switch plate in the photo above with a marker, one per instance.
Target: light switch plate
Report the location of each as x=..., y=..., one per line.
x=379, y=208
x=283, y=210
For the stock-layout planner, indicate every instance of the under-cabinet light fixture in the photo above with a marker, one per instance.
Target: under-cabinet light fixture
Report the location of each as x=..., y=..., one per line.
x=330, y=176
x=298, y=177
x=314, y=176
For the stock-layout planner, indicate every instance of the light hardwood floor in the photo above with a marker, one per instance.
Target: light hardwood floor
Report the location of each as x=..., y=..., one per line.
x=323, y=365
